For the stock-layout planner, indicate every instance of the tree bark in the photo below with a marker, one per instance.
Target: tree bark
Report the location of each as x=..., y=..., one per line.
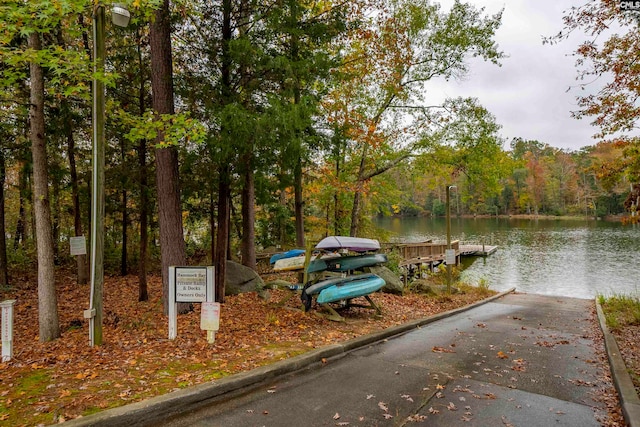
x=123, y=211
x=172, y=247
x=47, y=299
x=222, y=240
x=21, y=223
x=4, y=267
x=248, y=243
x=143, y=293
x=81, y=260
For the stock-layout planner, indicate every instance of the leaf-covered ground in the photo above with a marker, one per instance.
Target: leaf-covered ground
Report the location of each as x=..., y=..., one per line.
x=46, y=383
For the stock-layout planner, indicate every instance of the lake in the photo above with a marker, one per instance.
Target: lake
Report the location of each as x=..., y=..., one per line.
x=572, y=258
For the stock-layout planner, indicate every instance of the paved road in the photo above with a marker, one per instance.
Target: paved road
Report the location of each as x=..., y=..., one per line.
x=521, y=360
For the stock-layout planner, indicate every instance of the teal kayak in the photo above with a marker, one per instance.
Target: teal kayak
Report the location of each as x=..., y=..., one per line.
x=346, y=263
x=348, y=289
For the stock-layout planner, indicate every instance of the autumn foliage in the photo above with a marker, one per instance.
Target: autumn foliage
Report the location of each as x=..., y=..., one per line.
x=50, y=382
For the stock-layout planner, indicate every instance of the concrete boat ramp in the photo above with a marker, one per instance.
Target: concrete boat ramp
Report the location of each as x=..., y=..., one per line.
x=514, y=360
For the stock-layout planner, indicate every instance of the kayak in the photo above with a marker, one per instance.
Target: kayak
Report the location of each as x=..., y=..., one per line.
x=356, y=244
x=346, y=263
x=297, y=262
x=340, y=288
x=351, y=289
x=283, y=255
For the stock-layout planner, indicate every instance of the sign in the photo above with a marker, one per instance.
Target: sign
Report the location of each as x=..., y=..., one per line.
x=78, y=245
x=626, y=5
x=210, y=316
x=191, y=284
x=450, y=256
x=7, y=329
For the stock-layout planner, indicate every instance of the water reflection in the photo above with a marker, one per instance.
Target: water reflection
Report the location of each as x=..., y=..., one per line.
x=553, y=257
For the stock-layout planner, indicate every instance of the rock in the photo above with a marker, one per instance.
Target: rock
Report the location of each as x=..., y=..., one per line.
x=427, y=287
x=393, y=284
x=422, y=286
x=241, y=279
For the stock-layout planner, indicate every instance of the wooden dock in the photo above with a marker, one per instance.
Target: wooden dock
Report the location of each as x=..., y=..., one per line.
x=477, y=250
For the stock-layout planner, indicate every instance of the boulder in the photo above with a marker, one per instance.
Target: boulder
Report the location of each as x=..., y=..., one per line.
x=423, y=286
x=241, y=279
x=393, y=283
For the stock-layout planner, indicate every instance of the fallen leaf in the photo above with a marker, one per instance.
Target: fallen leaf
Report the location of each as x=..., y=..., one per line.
x=336, y=416
x=383, y=406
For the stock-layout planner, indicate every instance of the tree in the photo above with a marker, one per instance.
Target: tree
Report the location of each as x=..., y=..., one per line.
x=610, y=57
x=47, y=298
x=407, y=43
x=4, y=267
x=172, y=245
x=468, y=145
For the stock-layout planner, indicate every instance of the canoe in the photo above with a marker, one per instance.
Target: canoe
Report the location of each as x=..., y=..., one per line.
x=346, y=263
x=351, y=289
x=356, y=244
x=288, y=254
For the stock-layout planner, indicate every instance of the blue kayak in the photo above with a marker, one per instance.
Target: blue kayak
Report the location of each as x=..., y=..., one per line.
x=288, y=254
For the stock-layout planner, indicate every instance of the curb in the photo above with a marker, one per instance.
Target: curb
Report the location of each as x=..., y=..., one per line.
x=629, y=400
x=154, y=410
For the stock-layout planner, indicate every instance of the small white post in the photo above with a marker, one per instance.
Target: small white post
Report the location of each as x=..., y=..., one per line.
x=7, y=329
x=210, y=314
x=173, y=306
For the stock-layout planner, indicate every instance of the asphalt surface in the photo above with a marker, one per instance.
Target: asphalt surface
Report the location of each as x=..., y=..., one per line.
x=519, y=360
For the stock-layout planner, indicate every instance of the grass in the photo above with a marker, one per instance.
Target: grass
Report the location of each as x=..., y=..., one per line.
x=620, y=310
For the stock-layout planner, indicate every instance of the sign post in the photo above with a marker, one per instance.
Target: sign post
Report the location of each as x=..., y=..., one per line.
x=7, y=329
x=189, y=284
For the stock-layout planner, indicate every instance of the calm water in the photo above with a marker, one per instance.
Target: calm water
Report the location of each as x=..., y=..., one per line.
x=553, y=257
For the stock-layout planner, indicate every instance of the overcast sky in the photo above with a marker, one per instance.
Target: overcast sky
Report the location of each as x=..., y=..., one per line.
x=528, y=94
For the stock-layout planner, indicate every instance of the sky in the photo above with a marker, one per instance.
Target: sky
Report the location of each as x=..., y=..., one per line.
x=528, y=94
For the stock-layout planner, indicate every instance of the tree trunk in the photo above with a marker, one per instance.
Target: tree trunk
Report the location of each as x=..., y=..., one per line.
x=248, y=243
x=222, y=240
x=224, y=184
x=172, y=247
x=125, y=219
x=81, y=260
x=4, y=267
x=55, y=217
x=123, y=211
x=299, y=204
x=143, y=293
x=47, y=299
x=21, y=223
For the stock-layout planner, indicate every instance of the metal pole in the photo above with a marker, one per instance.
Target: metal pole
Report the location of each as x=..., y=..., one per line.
x=97, y=189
